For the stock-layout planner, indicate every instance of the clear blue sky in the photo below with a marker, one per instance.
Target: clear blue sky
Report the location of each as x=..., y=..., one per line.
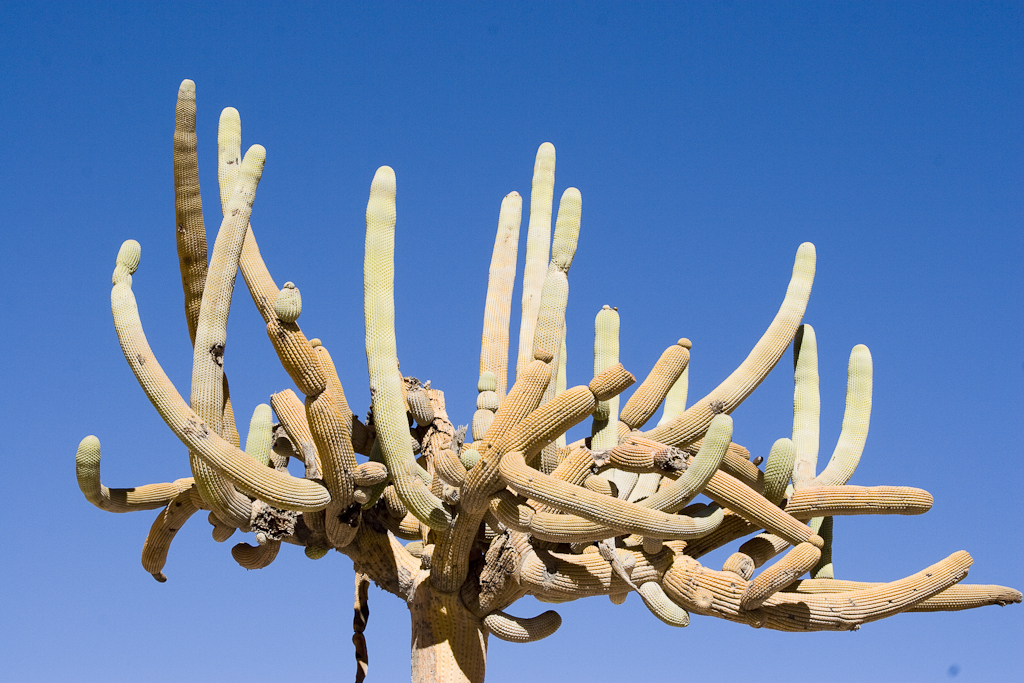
x=708, y=140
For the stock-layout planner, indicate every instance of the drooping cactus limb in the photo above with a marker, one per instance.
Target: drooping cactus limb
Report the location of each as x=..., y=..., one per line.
x=675, y=400
x=165, y=526
x=662, y=606
x=952, y=599
x=280, y=490
x=146, y=497
x=824, y=569
x=255, y=557
x=500, y=281
x=522, y=629
x=382, y=354
x=766, y=353
x=858, y=500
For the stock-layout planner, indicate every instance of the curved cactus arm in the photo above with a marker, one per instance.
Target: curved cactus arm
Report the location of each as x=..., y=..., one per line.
x=766, y=353
x=642, y=405
x=952, y=599
x=718, y=594
x=278, y=489
x=734, y=495
x=617, y=514
x=292, y=415
x=675, y=400
x=806, y=406
x=662, y=606
x=146, y=497
x=255, y=557
x=856, y=420
x=522, y=629
x=538, y=242
x=382, y=354
x=163, y=530
x=562, y=577
x=188, y=205
x=858, y=500
x=675, y=495
x=791, y=567
x=211, y=334
x=500, y=281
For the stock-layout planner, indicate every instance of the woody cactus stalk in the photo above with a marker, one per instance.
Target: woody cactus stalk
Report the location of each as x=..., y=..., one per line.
x=461, y=531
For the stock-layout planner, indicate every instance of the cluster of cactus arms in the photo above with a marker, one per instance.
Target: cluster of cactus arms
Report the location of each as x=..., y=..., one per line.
x=462, y=528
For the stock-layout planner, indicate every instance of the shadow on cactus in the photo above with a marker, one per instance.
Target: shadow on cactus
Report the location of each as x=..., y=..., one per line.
x=462, y=528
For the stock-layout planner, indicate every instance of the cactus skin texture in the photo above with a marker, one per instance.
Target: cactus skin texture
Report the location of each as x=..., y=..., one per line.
x=516, y=511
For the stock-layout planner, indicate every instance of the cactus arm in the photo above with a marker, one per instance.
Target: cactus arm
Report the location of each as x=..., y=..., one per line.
x=649, y=395
x=675, y=400
x=276, y=488
x=561, y=380
x=163, y=530
x=806, y=406
x=824, y=569
x=259, y=441
x=538, y=239
x=778, y=470
x=562, y=577
x=733, y=494
x=255, y=557
x=614, y=513
x=662, y=606
x=856, y=420
x=605, y=432
x=146, y=497
x=766, y=353
x=858, y=500
x=550, y=322
x=675, y=495
x=953, y=599
x=188, y=205
x=292, y=414
x=382, y=355
x=500, y=281
x=793, y=564
x=718, y=594
x=520, y=629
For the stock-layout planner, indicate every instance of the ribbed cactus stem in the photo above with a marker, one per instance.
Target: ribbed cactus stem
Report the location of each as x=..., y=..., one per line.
x=382, y=354
x=538, y=242
x=500, y=281
x=261, y=434
x=806, y=406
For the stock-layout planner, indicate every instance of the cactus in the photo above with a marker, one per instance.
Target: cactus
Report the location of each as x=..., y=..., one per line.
x=517, y=511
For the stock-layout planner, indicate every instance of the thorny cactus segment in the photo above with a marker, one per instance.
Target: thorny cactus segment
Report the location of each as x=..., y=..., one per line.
x=516, y=511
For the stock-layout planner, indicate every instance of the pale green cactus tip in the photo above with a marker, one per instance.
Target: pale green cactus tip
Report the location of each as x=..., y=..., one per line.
x=288, y=306
x=469, y=458
x=88, y=451
x=128, y=256
x=488, y=381
x=188, y=86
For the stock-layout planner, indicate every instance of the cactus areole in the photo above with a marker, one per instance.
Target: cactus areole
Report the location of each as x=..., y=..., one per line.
x=461, y=526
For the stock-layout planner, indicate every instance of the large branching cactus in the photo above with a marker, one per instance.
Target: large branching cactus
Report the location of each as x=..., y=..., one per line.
x=461, y=529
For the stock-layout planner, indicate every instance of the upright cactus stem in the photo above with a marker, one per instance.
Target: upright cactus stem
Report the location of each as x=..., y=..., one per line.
x=461, y=531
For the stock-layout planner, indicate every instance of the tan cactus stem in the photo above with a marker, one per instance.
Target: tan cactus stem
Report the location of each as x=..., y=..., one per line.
x=255, y=557
x=642, y=405
x=521, y=629
x=276, y=488
x=146, y=497
x=858, y=500
x=333, y=441
x=662, y=606
x=711, y=593
x=188, y=205
x=952, y=599
x=824, y=569
x=163, y=530
x=501, y=279
x=796, y=562
x=292, y=415
x=675, y=400
x=382, y=355
x=620, y=515
x=538, y=241
x=230, y=506
x=766, y=353
x=449, y=643
x=730, y=493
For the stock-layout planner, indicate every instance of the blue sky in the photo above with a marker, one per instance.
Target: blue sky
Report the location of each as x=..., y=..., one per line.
x=708, y=141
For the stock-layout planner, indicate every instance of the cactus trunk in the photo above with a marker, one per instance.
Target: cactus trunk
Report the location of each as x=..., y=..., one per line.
x=449, y=644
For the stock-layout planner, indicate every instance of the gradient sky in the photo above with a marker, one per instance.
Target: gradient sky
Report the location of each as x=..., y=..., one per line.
x=708, y=141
